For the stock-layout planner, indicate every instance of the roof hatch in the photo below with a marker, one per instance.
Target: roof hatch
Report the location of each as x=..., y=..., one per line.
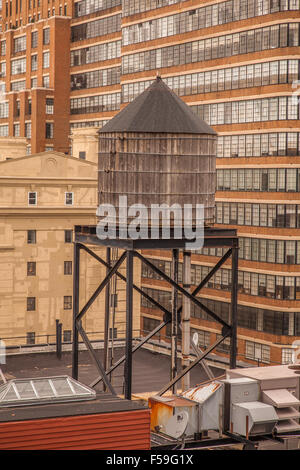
x=36, y=391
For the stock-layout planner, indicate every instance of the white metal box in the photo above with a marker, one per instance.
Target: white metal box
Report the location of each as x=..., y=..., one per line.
x=253, y=418
x=243, y=390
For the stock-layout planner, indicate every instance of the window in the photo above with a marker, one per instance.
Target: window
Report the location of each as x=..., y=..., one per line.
x=67, y=336
x=20, y=44
x=17, y=109
x=49, y=105
x=3, y=47
x=69, y=199
x=256, y=351
x=4, y=131
x=34, y=62
x=18, y=66
x=29, y=106
x=46, y=36
x=46, y=81
x=30, y=338
x=31, y=236
x=17, y=130
x=3, y=70
x=68, y=236
x=30, y=304
x=32, y=198
x=46, y=60
x=67, y=267
x=82, y=155
x=49, y=130
x=4, y=110
x=28, y=130
x=31, y=268
x=18, y=85
x=67, y=302
x=287, y=355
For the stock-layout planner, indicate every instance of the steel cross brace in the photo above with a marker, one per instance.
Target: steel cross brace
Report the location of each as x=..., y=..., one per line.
x=193, y=364
x=77, y=318
x=227, y=328
x=117, y=273
x=182, y=290
x=168, y=314
x=112, y=270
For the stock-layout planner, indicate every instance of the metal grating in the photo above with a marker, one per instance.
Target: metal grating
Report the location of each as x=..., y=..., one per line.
x=20, y=392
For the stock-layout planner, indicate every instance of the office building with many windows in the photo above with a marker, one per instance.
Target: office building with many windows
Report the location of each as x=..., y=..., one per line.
x=67, y=65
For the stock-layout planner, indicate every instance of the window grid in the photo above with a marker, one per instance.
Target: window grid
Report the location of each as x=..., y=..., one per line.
x=198, y=19
x=261, y=179
x=277, y=215
x=210, y=49
x=247, y=317
x=249, y=283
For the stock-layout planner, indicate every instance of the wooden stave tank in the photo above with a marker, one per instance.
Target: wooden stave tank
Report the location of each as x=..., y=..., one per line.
x=152, y=165
x=153, y=145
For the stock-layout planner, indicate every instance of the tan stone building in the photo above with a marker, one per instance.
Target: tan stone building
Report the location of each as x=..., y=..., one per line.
x=42, y=197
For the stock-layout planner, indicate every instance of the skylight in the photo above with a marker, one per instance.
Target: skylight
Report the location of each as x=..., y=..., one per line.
x=20, y=392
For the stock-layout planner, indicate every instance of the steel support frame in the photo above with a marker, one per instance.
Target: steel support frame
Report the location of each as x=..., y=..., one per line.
x=78, y=314
x=229, y=330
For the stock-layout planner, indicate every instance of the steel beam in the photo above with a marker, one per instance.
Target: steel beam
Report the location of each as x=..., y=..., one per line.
x=136, y=347
x=212, y=272
x=185, y=319
x=174, y=324
x=101, y=286
x=107, y=312
x=95, y=358
x=76, y=285
x=193, y=364
x=234, y=293
x=129, y=311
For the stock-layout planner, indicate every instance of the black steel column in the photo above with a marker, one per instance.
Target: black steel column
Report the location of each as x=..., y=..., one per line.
x=174, y=324
x=76, y=278
x=186, y=318
x=107, y=311
x=234, y=292
x=58, y=339
x=129, y=310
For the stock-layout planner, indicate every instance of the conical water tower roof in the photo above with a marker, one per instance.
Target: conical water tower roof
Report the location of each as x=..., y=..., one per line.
x=158, y=109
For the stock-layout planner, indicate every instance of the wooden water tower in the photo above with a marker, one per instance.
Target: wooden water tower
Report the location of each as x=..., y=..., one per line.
x=156, y=151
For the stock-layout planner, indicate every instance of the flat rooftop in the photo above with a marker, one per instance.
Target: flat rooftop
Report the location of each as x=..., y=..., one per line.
x=151, y=371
